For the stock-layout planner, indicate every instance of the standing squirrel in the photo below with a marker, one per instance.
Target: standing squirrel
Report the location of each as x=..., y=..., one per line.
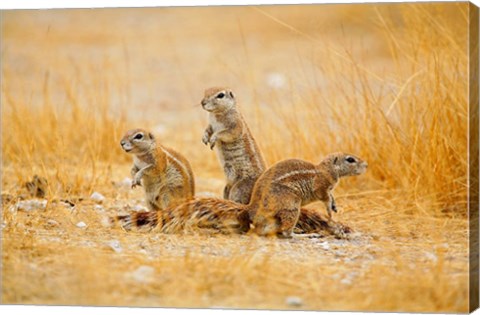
x=165, y=175
x=290, y=184
x=237, y=151
x=275, y=204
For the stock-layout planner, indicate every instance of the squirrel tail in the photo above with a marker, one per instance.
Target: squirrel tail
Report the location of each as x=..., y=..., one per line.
x=203, y=213
x=223, y=216
x=138, y=220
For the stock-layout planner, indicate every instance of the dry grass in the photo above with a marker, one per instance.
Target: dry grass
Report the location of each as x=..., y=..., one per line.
x=386, y=82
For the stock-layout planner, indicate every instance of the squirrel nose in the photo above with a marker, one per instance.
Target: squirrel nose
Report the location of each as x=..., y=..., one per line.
x=203, y=102
x=122, y=143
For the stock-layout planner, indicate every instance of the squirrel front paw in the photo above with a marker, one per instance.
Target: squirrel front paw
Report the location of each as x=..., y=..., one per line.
x=213, y=141
x=333, y=204
x=206, y=138
x=136, y=182
x=334, y=207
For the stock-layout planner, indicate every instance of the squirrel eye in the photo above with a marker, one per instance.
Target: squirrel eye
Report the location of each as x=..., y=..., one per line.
x=350, y=160
x=138, y=136
x=221, y=95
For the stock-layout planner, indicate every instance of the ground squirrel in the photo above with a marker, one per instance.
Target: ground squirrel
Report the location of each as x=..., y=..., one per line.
x=275, y=204
x=165, y=175
x=286, y=186
x=237, y=151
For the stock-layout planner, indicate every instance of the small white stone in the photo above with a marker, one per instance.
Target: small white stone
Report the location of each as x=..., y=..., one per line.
x=324, y=245
x=106, y=221
x=31, y=205
x=52, y=223
x=99, y=208
x=115, y=245
x=346, y=281
x=97, y=197
x=356, y=235
x=143, y=274
x=67, y=205
x=139, y=208
x=81, y=224
x=294, y=301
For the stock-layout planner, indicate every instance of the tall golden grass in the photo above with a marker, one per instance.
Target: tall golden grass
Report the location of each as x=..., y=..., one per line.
x=388, y=83
x=409, y=121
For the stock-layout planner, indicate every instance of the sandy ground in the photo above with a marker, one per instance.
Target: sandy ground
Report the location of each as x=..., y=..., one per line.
x=149, y=67
x=50, y=257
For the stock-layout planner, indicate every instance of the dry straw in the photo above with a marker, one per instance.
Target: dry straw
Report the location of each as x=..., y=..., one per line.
x=399, y=102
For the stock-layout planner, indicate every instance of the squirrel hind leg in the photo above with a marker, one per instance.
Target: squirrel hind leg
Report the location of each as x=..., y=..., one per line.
x=244, y=221
x=241, y=191
x=286, y=221
x=264, y=226
x=157, y=203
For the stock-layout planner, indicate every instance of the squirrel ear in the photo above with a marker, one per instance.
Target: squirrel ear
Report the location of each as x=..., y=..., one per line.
x=335, y=160
x=151, y=136
x=231, y=94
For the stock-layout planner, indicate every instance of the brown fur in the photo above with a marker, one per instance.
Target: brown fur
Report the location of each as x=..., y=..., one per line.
x=275, y=206
x=281, y=191
x=221, y=216
x=237, y=150
x=165, y=175
x=203, y=213
x=311, y=221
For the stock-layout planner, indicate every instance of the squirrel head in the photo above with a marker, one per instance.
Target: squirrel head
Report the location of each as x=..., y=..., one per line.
x=217, y=100
x=137, y=141
x=345, y=164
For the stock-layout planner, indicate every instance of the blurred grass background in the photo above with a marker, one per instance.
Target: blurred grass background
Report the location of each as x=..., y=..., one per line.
x=387, y=82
